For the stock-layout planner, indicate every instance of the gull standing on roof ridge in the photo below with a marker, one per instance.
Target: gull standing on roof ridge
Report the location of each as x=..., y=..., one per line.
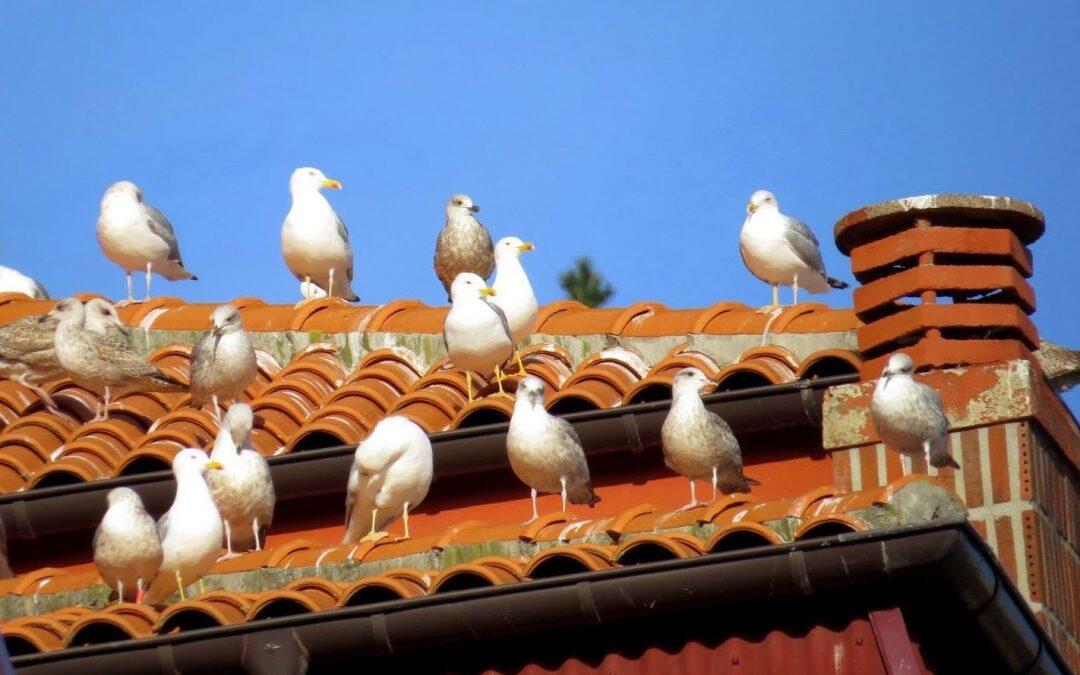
x=242, y=489
x=391, y=473
x=136, y=236
x=103, y=363
x=513, y=292
x=190, y=531
x=464, y=244
x=314, y=240
x=476, y=331
x=222, y=361
x=28, y=351
x=779, y=249
x=698, y=443
x=545, y=452
x=909, y=415
x=14, y=281
x=127, y=551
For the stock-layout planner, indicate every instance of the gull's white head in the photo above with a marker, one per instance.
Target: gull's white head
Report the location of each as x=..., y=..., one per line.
x=469, y=286
x=689, y=379
x=762, y=199
x=193, y=460
x=238, y=420
x=121, y=190
x=461, y=205
x=101, y=313
x=226, y=319
x=511, y=247
x=310, y=178
x=899, y=365
x=123, y=495
x=530, y=390
x=69, y=309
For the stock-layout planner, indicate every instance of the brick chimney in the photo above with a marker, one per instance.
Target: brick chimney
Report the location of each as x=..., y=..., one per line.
x=943, y=278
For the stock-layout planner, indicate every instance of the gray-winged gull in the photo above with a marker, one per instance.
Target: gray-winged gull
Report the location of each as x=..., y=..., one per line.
x=127, y=550
x=103, y=363
x=464, y=244
x=545, y=452
x=14, y=281
x=222, y=361
x=136, y=236
x=779, y=249
x=476, y=331
x=190, y=531
x=908, y=415
x=391, y=474
x=242, y=490
x=698, y=443
x=314, y=240
x=513, y=292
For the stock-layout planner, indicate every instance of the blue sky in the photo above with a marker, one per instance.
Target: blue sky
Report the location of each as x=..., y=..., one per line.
x=633, y=132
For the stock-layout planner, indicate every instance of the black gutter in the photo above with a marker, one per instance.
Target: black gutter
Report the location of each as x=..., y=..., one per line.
x=79, y=507
x=943, y=564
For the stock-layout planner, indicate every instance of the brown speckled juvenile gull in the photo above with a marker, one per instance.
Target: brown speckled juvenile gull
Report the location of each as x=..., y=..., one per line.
x=242, y=489
x=476, y=332
x=127, y=551
x=909, y=416
x=222, y=361
x=464, y=244
x=102, y=362
x=698, y=443
x=545, y=452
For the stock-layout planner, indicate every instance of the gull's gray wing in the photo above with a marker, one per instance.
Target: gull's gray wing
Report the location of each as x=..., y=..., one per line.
x=803, y=243
x=161, y=226
x=163, y=526
x=502, y=317
x=343, y=232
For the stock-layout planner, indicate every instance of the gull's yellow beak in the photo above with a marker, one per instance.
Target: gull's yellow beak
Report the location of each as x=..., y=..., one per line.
x=332, y=184
x=527, y=246
x=214, y=465
x=487, y=290
x=751, y=207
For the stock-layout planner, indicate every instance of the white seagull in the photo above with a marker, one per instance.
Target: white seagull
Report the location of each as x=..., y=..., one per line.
x=779, y=249
x=242, y=490
x=190, y=531
x=545, y=452
x=314, y=240
x=513, y=292
x=222, y=361
x=136, y=236
x=391, y=473
x=698, y=443
x=909, y=416
x=476, y=331
x=127, y=550
x=14, y=281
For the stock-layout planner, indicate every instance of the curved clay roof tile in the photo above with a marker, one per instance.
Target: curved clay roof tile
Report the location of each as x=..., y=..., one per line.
x=563, y=560
x=827, y=526
x=655, y=547
x=408, y=316
x=332, y=315
x=379, y=589
x=194, y=614
x=740, y=536
x=72, y=468
x=472, y=575
x=341, y=423
x=829, y=362
x=395, y=356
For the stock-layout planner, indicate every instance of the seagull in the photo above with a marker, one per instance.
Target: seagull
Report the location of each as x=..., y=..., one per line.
x=242, y=490
x=190, y=531
x=698, y=443
x=314, y=239
x=781, y=250
x=127, y=550
x=27, y=351
x=909, y=416
x=476, y=331
x=391, y=473
x=513, y=292
x=464, y=244
x=222, y=361
x=545, y=452
x=102, y=362
x=14, y=281
x=136, y=236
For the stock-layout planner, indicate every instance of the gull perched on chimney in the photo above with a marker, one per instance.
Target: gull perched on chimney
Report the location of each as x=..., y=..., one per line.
x=314, y=240
x=222, y=361
x=391, y=473
x=127, y=550
x=779, y=249
x=476, y=332
x=136, y=236
x=909, y=416
x=242, y=489
x=698, y=443
x=545, y=452
x=513, y=292
x=14, y=281
x=464, y=244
